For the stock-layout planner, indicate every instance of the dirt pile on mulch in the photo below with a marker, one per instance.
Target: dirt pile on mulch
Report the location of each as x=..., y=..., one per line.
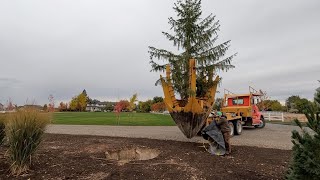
x=291, y=117
x=84, y=157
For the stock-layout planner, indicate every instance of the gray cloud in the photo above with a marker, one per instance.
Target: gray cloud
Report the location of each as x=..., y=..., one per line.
x=9, y=80
x=62, y=47
x=8, y=83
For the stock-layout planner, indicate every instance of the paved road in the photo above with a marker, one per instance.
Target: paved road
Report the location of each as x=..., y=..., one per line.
x=272, y=136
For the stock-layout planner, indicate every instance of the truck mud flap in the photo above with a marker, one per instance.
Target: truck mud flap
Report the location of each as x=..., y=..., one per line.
x=215, y=139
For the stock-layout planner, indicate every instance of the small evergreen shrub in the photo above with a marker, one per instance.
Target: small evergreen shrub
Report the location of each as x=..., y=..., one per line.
x=24, y=130
x=306, y=146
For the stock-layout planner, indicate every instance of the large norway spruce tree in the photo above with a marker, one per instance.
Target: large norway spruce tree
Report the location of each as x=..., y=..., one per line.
x=194, y=37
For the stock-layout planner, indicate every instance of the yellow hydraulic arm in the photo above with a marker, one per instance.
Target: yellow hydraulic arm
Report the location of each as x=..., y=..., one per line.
x=191, y=116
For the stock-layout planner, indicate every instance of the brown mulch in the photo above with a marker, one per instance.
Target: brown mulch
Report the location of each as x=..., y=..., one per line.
x=83, y=157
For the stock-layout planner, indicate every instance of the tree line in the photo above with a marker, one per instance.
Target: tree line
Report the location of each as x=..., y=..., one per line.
x=79, y=103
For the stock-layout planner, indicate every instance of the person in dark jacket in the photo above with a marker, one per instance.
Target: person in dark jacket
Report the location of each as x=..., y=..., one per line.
x=223, y=125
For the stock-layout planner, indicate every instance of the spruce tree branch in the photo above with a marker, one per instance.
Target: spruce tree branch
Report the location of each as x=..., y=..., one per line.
x=176, y=40
x=157, y=67
x=221, y=48
x=213, y=54
x=204, y=44
x=221, y=65
x=206, y=22
x=161, y=54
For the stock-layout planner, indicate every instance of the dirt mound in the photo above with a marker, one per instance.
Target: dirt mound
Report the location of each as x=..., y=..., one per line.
x=123, y=156
x=291, y=116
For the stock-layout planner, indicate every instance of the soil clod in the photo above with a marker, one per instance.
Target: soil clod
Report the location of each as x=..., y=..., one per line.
x=134, y=154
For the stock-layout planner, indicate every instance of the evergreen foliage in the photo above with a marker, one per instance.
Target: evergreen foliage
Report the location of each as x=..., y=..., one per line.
x=218, y=104
x=45, y=107
x=317, y=98
x=195, y=38
x=306, y=146
x=157, y=99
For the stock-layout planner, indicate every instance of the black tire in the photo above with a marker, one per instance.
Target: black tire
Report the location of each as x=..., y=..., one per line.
x=262, y=124
x=231, y=126
x=237, y=127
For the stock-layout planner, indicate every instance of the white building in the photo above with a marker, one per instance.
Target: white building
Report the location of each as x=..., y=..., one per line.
x=95, y=107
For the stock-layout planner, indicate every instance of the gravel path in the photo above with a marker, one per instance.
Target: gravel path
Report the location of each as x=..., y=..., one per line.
x=272, y=136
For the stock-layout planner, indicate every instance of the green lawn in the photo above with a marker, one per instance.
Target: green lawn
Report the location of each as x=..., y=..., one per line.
x=109, y=118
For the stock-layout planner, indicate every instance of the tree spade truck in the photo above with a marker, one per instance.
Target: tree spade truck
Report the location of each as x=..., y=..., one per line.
x=242, y=110
x=191, y=114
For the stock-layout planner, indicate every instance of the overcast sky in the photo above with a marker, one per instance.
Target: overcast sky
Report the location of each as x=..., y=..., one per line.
x=61, y=47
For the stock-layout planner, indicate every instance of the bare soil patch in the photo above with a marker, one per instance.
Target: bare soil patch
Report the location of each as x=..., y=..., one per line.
x=288, y=117
x=86, y=157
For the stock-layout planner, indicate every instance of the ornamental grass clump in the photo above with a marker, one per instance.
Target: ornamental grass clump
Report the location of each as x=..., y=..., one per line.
x=24, y=130
x=2, y=130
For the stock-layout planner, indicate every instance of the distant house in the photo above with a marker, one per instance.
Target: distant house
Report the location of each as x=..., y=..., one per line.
x=96, y=107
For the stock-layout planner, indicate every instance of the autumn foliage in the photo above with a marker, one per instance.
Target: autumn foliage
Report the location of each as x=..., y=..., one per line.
x=10, y=105
x=79, y=103
x=63, y=106
x=132, y=102
x=122, y=105
x=158, y=107
x=51, y=103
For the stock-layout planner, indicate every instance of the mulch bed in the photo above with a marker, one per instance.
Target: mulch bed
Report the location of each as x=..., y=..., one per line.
x=83, y=157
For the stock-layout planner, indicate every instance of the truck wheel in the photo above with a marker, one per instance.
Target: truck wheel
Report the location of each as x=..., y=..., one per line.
x=262, y=124
x=231, y=126
x=237, y=127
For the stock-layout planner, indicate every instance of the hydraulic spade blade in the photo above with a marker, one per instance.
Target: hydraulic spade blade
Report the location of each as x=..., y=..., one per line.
x=189, y=124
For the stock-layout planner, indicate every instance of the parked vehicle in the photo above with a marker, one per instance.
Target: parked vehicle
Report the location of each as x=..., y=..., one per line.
x=242, y=110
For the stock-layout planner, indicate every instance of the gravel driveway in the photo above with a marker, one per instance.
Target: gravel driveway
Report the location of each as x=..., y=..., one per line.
x=272, y=136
